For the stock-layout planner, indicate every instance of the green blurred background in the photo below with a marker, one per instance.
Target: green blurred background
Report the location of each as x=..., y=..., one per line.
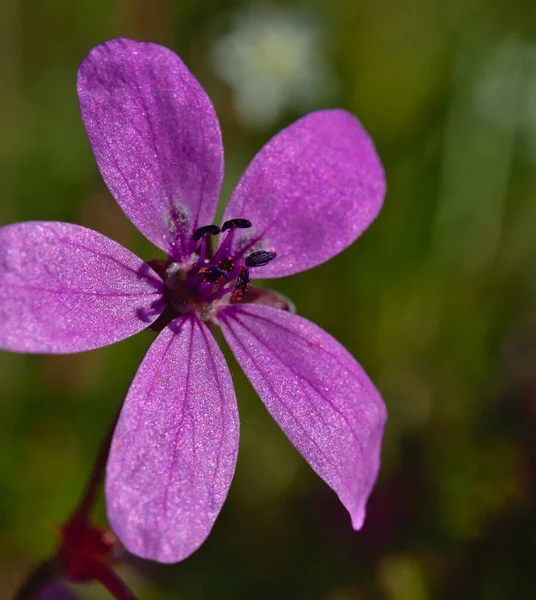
x=436, y=300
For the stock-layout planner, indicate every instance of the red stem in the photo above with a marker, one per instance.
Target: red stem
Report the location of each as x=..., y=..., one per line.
x=112, y=582
x=81, y=514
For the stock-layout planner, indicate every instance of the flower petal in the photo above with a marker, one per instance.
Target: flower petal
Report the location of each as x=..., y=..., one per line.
x=174, y=450
x=316, y=392
x=65, y=288
x=309, y=193
x=156, y=139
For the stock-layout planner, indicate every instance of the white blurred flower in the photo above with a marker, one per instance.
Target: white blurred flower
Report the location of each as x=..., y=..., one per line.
x=505, y=91
x=272, y=59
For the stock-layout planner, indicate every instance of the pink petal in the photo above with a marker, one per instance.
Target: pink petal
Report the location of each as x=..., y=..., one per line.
x=174, y=450
x=65, y=288
x=309, y=193
x=316, y=392
x=156, y=139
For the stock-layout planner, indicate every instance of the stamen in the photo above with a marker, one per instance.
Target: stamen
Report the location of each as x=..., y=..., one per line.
x=227, y=243
x=205, y=230
x=238, y=223
x=210, y=275
x=260, y=258
x=242, y=285
x=203, y=233
x=226, y=265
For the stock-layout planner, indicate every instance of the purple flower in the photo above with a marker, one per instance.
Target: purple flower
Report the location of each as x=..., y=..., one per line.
x=309, y=193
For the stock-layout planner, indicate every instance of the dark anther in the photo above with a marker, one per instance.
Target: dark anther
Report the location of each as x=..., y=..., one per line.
x=210, y=274
x=239, y=223
x=206, y=230
x=226, y=265
x=260, y=258
x=242, y=285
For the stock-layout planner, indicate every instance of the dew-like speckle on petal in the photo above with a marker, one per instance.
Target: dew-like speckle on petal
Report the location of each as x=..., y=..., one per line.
x=65, y=288
x=156, y=139
x=316, y=392
x=174, y=450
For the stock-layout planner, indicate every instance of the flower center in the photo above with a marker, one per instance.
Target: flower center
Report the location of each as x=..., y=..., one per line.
x=211, y=278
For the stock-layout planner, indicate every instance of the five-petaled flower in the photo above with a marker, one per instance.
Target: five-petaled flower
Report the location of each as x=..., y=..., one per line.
x=309, y=193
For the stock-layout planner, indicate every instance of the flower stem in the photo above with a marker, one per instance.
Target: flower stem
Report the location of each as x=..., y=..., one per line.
x=89, y=497
x=113, y=583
